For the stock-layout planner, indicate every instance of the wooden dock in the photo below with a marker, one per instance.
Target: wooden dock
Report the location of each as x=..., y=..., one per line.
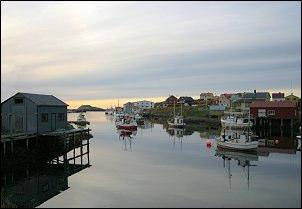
x=66, y=135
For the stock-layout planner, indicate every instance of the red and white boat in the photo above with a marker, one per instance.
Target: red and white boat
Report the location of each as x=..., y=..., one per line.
x=126, y=124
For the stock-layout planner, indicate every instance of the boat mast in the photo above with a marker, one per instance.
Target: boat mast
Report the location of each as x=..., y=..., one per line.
x=174, y=109
x=248, y=133
x=180, y=109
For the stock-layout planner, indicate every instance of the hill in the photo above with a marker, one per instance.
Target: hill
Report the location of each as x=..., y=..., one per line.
x=89, y=108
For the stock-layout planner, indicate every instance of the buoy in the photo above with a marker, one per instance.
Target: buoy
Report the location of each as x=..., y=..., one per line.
x=209, y=143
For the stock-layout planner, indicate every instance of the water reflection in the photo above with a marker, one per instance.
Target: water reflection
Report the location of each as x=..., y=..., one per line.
x=243, y=160
x=31, y=184
x=127, y=137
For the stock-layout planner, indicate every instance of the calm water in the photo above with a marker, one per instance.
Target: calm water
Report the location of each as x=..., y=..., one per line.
x=155, y=169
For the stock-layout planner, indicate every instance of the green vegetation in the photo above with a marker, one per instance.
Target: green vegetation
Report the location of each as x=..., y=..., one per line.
x=187, y=111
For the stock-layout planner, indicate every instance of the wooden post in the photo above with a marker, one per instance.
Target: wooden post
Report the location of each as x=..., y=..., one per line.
x=27, y=143
x=12, y=145
x=281, y=123
x=4, y=148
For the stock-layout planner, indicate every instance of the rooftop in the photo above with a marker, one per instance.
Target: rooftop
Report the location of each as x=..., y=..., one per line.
x=272, y=104
x=42, y=99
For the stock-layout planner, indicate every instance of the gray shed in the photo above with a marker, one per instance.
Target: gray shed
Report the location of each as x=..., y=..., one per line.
x=33, y=113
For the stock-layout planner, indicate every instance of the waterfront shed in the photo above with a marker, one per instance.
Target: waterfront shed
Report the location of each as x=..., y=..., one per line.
x=273, y=109
x=33, y=113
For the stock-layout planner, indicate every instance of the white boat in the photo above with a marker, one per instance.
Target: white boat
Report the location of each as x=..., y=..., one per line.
x=109, y=111
x=81, y=117
x=235, y=122
x=238, y=144
x=178, y=120
x=239, y=141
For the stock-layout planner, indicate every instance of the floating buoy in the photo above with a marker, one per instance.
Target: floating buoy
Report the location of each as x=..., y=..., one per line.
x=209, y=143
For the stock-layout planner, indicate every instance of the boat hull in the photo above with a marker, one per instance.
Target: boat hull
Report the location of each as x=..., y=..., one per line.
x=238, y=146
x=125, y=127
x=176, y=125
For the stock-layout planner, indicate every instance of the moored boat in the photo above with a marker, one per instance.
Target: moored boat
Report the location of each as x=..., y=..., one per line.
x=178, y=120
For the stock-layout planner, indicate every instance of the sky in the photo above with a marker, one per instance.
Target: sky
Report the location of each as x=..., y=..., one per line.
x=100, y=53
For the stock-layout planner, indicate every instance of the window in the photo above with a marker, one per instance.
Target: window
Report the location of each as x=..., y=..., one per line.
x=18, y=101
x=271, y=112
x=61, y=116
x=44, y=117
x=261, y=113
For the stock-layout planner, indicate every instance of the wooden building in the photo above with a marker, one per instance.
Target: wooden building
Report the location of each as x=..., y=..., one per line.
x=273, y=109
x=171, y=100
x=33, y=113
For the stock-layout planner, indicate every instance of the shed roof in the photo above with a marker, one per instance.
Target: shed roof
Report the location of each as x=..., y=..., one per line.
x=41, y=99
x=278, y=95
x=272, y=104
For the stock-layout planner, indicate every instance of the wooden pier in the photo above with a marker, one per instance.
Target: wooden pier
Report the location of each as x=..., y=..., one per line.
x=66, y=135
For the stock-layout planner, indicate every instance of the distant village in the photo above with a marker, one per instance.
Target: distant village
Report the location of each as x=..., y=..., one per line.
x=34, y=113
x=235, y=101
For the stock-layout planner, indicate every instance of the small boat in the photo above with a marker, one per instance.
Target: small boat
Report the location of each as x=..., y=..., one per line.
x=81, y=117
x=126, y=124
x=241, y=141
x=178, y=120
x=238, y=144
x=236, y=120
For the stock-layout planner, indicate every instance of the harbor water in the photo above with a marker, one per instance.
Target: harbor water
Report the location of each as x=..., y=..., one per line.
x=161, y=167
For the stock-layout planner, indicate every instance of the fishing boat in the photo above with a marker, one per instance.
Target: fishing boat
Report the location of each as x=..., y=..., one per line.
x=178, y=120
x=241, y=142
x=126, y=124
x=236, y=120
x=139, y=119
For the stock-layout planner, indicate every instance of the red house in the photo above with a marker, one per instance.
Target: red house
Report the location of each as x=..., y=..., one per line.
x=273, y=109
x=171, y=100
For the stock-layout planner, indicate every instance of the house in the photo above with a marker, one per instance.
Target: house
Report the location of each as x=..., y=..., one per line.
x=225, y=100
x=144, y=104
x=294, y=99
x=128, y=107
x=171, y=100
x=206, y=96
x=218, y=107
x=273, y=109
x=216, y=110
x=186, y=100
x=278, y=96
x=33, y=113
x=247, y=98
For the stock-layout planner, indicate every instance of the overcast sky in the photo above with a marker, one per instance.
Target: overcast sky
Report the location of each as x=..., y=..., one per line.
x=109, y=50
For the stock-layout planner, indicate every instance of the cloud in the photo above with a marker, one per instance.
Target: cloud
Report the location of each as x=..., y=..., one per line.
x=95, y=50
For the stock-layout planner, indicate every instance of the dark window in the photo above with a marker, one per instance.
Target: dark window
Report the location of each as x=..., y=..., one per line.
x=44, y=117
x=61, y=116
x=18, y=101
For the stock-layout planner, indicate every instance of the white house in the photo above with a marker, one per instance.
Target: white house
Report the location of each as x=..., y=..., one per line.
x=144, y=104
x=206, y=96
